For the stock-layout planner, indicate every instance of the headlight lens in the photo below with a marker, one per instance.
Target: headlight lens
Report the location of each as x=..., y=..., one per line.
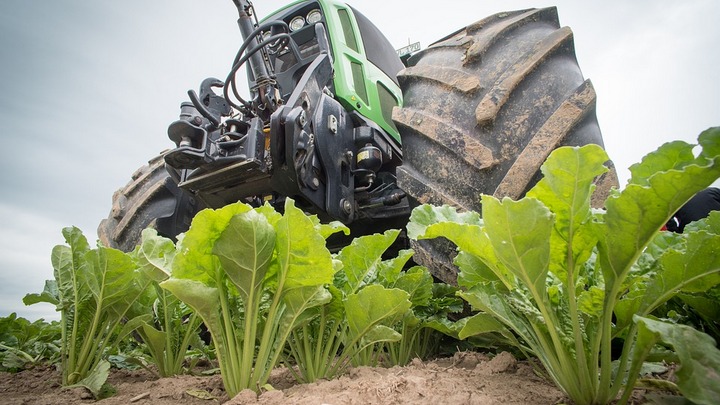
x=314, y=16
x=297, y=23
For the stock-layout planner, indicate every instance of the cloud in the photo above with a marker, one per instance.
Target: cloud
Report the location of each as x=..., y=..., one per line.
x=26, y=241
x=88, y=89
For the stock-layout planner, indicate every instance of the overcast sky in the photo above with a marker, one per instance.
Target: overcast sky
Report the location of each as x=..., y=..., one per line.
x=87, y=89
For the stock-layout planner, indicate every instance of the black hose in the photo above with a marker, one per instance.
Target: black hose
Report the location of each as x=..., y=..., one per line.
x=284, y=39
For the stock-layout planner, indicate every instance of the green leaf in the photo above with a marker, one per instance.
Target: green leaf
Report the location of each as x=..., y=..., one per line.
x=96, y=379
x=362, y=259
x=477, y=259
x=375, y=305
x=642, y=208
x=390, y=270
x=519, y=232
x=418, y=283
x=155, y=255
x=699, y=372
x=473, y=271
x=707, y=307
x=591, y=301
x=155, y=339
x=131, y=325
x=244, y=249
x=480, y=323
x=696, y=269
x=202, y=298
x=50, y=294
x=327, y=230
x=67, y=261
x=335, y=309
x=566, y=190
x=299, y=300
x=446, y=326
x=483, y=298
x=710, y=224
x=379, y=334
x=110, y=276
x=568, y=184
x=675, y=156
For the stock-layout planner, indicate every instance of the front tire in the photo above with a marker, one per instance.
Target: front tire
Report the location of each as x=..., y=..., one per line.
x=483, y=109
x=150, y=199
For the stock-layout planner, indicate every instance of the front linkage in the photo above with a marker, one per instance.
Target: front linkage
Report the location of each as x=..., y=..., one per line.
x=293, y=138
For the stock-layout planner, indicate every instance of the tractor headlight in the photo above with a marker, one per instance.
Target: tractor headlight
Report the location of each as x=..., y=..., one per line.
x=297, y=23
x=314, y=16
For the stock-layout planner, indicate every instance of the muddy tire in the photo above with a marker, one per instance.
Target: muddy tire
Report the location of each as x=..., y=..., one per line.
x=484, y=107
x=150, y=199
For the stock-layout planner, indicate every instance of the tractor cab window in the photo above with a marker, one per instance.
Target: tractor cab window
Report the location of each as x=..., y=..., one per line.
x=378, y=49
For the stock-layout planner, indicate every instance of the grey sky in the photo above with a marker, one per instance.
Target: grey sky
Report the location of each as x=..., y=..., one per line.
x=88, y=88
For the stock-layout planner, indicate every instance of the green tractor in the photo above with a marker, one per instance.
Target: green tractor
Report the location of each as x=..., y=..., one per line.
x=339, y=122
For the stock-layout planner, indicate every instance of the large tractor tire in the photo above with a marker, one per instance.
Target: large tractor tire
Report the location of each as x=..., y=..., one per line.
x=483, y=108
x=150, y=199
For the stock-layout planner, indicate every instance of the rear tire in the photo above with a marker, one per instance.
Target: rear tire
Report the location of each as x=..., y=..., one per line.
x=484, y=107
x=150, y=199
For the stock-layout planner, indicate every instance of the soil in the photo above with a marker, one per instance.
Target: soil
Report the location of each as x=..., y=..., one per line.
x=465, y=378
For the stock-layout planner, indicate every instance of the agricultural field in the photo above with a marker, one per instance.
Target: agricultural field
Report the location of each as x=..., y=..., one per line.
x=555, y=302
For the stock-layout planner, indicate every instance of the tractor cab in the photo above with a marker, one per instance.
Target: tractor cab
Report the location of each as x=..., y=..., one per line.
x=365, y=64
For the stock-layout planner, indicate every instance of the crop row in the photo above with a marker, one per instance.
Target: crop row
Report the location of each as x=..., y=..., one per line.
x=594, y=295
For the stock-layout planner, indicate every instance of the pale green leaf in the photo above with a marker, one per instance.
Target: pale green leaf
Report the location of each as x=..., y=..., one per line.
x=694, y=269
x=194, y=259
x=67, y=262
x=245, y=249
x=709, y=224
x=110, y=275
x=155, y=255
x=471, y=239
x=302, y=256
x=675, y=155
x=426, y=215
x=155, y=339
x=473, y=271
x=329, y=229
x=132, y=324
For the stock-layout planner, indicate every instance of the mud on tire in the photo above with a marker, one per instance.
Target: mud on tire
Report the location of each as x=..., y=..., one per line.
x=485, y=106
x=152, y=199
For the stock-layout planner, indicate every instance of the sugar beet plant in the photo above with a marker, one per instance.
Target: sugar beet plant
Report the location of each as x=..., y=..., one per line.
x=251, y=275
x=358, y=317
x=556, y=272
x=24, y=344
x=171, y=327
x=94, y=290
x=378, y=313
